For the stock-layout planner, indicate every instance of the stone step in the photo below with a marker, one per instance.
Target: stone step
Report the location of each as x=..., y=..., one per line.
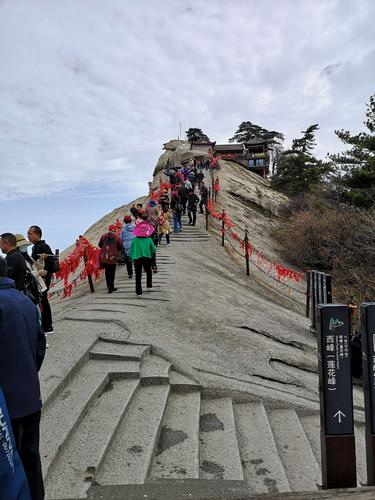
x=77, y=465
x=111, y=350
x=261, y=463
x=219, y=452
x=68, y=350
x=177, y=454
x=129, y=458
x=311, y=426
x=178, y=489
x=295, y=451
x=181, y=383
x=155, y=370
x=66, y=411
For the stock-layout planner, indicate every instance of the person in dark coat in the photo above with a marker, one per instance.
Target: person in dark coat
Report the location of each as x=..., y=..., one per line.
x=204, y=197
x=16, y=265
x=110, y=245
x=34, y=234
x=22, y=349
x=192, y=202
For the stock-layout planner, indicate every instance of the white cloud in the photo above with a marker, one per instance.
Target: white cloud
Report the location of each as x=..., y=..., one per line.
x=89, y=90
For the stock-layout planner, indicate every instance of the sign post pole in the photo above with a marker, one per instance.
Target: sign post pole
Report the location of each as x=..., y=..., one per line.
x=368, y=365
x=336, y=397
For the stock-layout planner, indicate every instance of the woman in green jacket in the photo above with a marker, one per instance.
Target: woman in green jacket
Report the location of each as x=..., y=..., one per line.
x=142, y=251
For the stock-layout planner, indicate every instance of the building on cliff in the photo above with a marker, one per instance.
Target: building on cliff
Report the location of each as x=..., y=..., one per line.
x=203, y=145
x=253, y=154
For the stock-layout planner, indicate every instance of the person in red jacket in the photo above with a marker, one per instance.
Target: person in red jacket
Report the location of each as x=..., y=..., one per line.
x=110, y=245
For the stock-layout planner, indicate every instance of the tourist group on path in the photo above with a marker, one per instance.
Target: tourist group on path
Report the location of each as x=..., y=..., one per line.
x=136, y=241
x=26, y=319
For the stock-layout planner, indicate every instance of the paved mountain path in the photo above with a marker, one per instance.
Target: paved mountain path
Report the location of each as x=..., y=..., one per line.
x=205, y=312
x=204, y=385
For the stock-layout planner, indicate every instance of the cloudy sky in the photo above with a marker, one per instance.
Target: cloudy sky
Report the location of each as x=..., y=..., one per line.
x=90, y=90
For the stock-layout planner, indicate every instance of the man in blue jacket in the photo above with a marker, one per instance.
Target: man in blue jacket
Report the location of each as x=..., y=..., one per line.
x=13, y=482
x=22, y=349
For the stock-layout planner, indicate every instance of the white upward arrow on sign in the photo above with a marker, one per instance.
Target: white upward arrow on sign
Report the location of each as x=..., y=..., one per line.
x=339, y=414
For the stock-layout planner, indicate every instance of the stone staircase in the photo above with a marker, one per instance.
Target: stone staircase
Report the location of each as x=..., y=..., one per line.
x=127, y=417
x=122, y=421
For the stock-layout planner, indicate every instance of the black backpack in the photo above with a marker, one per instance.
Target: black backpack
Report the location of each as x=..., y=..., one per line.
x=56, y=262
x=32, y=288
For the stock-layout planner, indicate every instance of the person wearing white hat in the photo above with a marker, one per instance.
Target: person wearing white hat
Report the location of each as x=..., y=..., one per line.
x=35, y=267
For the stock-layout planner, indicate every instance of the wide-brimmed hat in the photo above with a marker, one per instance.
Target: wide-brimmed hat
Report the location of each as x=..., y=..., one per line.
x=152, y=203
x=127, y=219
x=21, y=240
x=143, y=230
x=112, y=228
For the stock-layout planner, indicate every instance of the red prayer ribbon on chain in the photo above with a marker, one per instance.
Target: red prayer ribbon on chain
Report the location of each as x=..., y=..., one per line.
x=262, y=261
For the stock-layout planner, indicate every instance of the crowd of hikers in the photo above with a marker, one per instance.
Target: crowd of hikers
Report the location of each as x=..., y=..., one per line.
x=26, y=318
x=135, y=242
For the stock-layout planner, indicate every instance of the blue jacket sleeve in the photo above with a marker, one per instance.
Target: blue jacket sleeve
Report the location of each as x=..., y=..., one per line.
x=41, y=346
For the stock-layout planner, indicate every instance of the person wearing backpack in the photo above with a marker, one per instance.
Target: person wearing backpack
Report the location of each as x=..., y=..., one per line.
x=110, y=245
x=36, y=268
x=34, y=235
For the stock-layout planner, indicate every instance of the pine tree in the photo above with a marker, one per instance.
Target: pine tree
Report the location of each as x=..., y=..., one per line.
x=247, y=131
x=355, y=168
x=194, y=135
x=298, y=171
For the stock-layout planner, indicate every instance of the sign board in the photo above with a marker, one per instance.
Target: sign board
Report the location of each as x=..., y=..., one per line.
x=368, y=360
x=336, y=398
x=368, y=365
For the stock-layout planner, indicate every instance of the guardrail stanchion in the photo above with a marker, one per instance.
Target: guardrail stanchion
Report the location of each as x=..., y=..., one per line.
x=246, y=244
x=222, y=228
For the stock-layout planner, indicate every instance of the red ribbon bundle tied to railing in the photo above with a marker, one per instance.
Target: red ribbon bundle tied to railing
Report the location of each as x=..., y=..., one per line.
x=84, y=252
x=263, y=262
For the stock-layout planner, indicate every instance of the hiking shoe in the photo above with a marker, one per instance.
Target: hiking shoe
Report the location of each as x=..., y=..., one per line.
x=130, y=276
x=48, y=331
x=155, y=269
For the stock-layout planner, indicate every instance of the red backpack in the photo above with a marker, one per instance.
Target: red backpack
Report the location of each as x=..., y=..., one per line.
x=109, y=252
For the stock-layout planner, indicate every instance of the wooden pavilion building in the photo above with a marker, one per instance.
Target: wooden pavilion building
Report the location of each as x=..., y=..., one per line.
x=253, y=155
